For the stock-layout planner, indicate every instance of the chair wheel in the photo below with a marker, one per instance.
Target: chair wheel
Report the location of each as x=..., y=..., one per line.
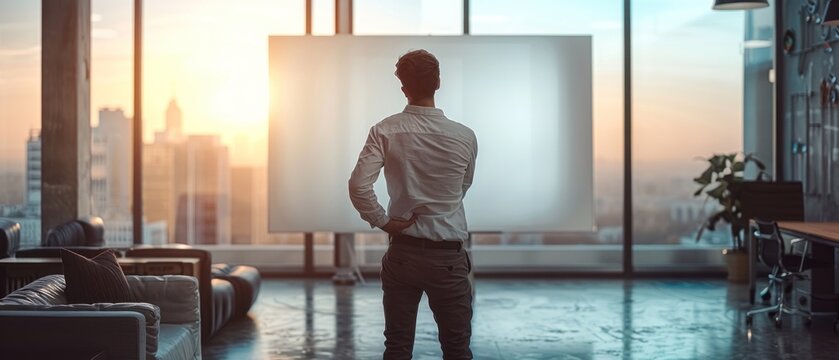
x=748, y=320
x=778, y=322
x=772, y=314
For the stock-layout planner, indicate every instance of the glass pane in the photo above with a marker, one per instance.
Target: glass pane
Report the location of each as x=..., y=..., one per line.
x=603, y=21
x=687, y=106
x=205, y=101
x=111, y=98
x=323, y=17
x=407, y=17
x=20, y=117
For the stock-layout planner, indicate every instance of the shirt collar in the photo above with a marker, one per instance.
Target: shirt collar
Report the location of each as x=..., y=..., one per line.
x=423, y=110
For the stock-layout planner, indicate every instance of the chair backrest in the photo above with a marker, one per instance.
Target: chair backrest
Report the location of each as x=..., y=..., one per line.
x=67, y=234
x=9, y=238
x=770, y=244
x=770, y=201
x=94, y=230
x=87, y=231
x=767, y=203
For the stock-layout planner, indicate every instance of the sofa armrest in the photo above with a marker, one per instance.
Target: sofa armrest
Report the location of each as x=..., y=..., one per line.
x=175, y=295
x=121, y=334
x=149, y=312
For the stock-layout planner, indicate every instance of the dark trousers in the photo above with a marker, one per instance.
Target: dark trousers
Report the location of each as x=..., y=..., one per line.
x=443, y=274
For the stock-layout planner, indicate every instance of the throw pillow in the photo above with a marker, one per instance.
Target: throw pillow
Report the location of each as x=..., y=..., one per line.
x=96, y=280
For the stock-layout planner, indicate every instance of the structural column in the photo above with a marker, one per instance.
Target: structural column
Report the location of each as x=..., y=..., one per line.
x=137, y=129
x=65, y=111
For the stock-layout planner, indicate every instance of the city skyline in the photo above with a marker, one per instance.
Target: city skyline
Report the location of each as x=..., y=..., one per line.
x=220, y=84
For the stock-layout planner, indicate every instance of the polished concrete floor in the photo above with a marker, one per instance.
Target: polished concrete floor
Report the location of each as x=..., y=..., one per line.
x=528, y=319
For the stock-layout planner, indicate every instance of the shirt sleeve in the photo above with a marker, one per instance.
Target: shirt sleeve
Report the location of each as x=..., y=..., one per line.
x=470, y=169
x=362, y=195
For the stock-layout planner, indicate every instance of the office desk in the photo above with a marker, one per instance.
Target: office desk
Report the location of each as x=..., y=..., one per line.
x=17, y=272
x=824, y=240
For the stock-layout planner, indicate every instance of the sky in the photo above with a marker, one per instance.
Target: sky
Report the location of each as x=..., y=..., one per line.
x=211, y=55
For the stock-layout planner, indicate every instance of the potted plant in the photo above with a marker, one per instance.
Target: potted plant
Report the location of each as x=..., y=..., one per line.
x=716, y=183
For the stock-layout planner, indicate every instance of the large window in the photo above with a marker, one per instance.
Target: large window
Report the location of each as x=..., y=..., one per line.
x=111, y=94
x=20, y=116
x=205, y=103
x=603, y=21
x=407, y=17
x=687, y=105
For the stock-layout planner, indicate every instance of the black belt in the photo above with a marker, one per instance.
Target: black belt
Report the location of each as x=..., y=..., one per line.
x=425, y=243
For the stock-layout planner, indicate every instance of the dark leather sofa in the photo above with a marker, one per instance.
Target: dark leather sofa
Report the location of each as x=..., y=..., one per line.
x=161, y=322
x=226, y=291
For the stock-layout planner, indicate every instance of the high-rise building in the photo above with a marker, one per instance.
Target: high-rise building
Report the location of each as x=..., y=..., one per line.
x=120, y=234
x=33, y=174
x=163, y=173
x=204, y=208
x=249, y=205
x=241, y=205
x=111, y=165
x=99, y=175
x=186, y=184
x=174, y=123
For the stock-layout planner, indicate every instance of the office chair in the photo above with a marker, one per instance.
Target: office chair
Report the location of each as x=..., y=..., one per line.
x=777, y=201
x=787, y=268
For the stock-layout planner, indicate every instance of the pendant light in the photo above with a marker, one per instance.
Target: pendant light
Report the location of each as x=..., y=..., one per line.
x=739, y=4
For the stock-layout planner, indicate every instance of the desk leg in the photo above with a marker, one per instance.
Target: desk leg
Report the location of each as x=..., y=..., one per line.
x=822, y=285
x=750, y=244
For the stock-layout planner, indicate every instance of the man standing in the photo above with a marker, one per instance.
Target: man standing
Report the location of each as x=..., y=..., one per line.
x=428, y=162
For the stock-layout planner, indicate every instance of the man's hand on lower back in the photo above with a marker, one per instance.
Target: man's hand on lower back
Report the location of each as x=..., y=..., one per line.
x=395, y=227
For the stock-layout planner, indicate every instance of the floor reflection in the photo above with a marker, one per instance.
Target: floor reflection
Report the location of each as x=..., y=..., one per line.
x=527, y=319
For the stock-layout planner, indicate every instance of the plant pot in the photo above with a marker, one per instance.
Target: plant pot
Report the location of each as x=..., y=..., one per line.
x=738, y=265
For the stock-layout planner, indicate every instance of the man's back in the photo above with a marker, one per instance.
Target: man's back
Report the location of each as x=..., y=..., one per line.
x=429, y=162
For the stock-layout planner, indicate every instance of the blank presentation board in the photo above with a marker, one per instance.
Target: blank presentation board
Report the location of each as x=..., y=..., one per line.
x=528, y=99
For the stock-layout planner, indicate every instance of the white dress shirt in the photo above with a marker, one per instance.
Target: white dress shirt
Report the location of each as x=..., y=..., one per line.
x=429, y=162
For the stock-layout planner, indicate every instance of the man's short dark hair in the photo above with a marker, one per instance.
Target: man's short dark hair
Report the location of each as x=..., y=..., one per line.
x=419, y=72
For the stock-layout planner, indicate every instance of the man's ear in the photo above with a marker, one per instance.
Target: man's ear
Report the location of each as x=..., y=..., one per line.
x=438, y=84
x=405, y=92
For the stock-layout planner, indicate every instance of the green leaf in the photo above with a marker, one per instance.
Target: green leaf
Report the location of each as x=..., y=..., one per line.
x=717, y=163
x=705, y=178
x=738, y=166
x=699, y=192
x=730, y=157
x=717, y=192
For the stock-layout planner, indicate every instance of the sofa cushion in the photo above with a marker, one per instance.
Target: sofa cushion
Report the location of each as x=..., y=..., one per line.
x=96, y=280
x=205, y=287
x=176, y=343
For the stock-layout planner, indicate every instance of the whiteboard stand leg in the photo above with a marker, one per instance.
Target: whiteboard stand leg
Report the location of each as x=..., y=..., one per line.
x=344, y=272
